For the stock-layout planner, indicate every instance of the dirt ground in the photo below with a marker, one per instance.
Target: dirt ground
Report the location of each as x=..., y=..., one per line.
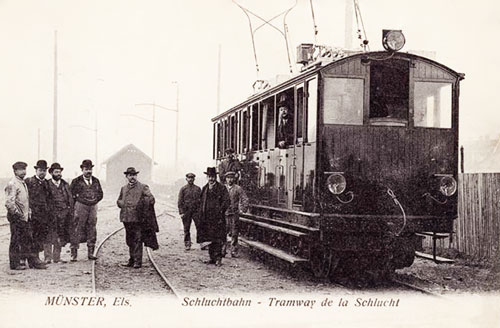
x=190, y=275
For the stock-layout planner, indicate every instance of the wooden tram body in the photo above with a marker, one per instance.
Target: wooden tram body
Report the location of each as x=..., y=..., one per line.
x=383, y=126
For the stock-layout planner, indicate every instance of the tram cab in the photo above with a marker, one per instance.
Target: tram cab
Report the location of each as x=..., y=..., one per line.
x=365, y=156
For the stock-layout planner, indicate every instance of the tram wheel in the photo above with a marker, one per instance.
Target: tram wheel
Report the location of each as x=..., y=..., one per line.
x=322, y=263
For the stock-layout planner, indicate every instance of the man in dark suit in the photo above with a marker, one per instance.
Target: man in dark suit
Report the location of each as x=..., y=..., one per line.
x=38, y=196
x=60, y=204
x=214, y=203
x=131, y=195
x=87, y=192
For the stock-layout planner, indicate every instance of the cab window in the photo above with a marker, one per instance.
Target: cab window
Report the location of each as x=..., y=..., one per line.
x=389, y=92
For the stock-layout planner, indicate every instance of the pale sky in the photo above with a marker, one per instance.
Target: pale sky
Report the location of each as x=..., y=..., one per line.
x=114, y=54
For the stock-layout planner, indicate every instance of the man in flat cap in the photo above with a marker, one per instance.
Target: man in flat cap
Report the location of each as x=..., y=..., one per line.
x=60, y=204
x=188, y=203
x=239, y=203
x=229, y=164
x=38, y=195
x=212, y=223
x=131, y=195
x=87, y=192
x=19, y=216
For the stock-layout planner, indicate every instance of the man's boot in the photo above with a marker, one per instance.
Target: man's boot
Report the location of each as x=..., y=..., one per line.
x=91, y=253
x=74, y=254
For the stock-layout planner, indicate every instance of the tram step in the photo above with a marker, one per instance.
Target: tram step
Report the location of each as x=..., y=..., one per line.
x=275, y=228
x=438, y=259
x=284, y=224
x=273, y=251
x=437, y=235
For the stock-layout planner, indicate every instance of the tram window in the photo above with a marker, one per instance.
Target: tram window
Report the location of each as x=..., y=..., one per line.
x=285, y=121
x=300, y=115
x=433, y=104
x=267, y=124
x=244, y=134
x=233, y=134
x=343, y=103
x=255, y=127
x=389, y=91
x=311, y=110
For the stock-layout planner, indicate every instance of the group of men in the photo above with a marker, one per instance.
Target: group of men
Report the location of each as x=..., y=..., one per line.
x=214, y=209
x=46, y=214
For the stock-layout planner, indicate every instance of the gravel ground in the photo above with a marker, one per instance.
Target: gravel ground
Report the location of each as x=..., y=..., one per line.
x=190, y=275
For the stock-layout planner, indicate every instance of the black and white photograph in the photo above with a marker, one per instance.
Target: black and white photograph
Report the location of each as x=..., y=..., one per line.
x=249, y=163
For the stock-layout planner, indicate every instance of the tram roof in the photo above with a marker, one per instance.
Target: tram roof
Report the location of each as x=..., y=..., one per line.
x=313, y=70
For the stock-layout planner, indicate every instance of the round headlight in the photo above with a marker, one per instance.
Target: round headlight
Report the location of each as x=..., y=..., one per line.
x=393, y=40
x=447, y=185
x=336, y=183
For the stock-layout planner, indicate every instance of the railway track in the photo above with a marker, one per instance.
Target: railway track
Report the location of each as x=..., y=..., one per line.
x=149, y=252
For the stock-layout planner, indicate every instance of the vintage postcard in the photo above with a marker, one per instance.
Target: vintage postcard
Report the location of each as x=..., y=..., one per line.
x=249, y=163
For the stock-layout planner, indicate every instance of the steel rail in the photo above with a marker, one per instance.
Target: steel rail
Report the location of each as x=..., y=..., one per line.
x=413, y=287
x=160, y=273
x=97, y=252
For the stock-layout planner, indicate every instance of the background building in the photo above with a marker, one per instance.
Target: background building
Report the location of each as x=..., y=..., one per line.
x=128, y=156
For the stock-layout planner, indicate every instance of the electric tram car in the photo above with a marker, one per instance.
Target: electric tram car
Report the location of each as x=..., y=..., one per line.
x=369, y=158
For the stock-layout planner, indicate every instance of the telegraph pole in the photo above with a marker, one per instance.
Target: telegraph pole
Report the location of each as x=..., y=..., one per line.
x=38, y=153
x=176, y=127
x=54, y=145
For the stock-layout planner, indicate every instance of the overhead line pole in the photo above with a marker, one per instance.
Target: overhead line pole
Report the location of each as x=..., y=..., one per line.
x=54, y=145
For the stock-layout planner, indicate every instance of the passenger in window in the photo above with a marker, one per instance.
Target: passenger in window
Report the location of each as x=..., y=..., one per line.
x=230, y=164
x=285, y=125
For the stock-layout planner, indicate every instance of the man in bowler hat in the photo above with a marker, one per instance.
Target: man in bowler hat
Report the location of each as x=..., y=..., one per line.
x=87, y=192
x=60, y=204
x=188, y=203
x=212, y=228
x=19, y=217
x=38, y=196
x=131, y=195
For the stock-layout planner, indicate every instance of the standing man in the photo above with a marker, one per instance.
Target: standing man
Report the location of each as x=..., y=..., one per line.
x=87, y=192
x=60, y=210
x=189, y=206
x=130, y=196
x=212, y=227
x=230, y=164
x=239, y=203
x=19, y=214
x=38, y=195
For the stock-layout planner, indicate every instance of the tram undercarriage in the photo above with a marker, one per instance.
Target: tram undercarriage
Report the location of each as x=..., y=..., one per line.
x=334, y=246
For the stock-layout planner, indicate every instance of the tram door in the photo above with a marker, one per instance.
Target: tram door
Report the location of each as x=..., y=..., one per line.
x=302, y=167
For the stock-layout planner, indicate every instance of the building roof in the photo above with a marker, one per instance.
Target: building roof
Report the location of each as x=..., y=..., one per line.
x=127, y=148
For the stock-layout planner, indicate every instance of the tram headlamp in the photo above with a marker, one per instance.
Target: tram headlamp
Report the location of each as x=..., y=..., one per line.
x=336, y=183
x=393, y=40
x=448, y=185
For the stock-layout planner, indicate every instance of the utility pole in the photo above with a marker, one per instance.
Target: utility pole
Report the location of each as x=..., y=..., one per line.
x=38, y=153
x=153, y=121
x=176, y=127
x=218, y=80
x=54, y=145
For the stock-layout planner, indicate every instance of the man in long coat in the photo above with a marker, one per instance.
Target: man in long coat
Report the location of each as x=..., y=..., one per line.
x=131, y=195
x=38, y=196
x=60, y=204
x=87, y=192
x=214, y=203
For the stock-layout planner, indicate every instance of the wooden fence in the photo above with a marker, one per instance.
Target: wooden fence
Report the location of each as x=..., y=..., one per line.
x=477, y=228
